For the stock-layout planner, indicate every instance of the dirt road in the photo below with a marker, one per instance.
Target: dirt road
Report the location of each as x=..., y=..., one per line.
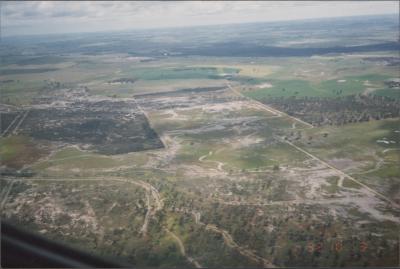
x=341, y=173
x=11, y=124
x=157, y=204
x=266, y=107
x=244, y=251
x=219, y=164
x=182, y=249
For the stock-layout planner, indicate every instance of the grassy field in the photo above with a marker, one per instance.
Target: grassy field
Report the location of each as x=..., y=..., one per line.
x=393, y=93
x=17, y=151
x=245, y=70
x=328, y=88
x=361, y=136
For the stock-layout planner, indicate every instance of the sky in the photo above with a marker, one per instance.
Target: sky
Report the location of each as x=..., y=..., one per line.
x=47, y=17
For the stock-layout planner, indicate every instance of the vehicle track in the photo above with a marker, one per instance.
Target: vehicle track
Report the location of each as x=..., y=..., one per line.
x=266, y=107
x=383, y=197
x=313, y=156
x=20, y=122
x=182, y=249
x=244, y=251
x=219, y=164
x=147, y=217
x=6, y=191
x=378, y=166
x=11, y=124
x=228, y=240
x=151, y=191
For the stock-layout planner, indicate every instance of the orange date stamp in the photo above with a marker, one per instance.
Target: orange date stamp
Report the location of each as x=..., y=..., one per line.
x=337, y=246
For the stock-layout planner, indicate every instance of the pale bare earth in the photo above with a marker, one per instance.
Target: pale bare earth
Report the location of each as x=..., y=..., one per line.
x=309, y=180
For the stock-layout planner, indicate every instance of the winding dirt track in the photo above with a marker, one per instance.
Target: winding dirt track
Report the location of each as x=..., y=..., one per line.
x=147, y=217
x=182, y=249
x=154, y=204
x=244, y=251
x=158, y=205
x=219, y=164
x=228, y=240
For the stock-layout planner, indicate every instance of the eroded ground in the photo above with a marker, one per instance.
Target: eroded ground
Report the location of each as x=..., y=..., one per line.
x=237, y=183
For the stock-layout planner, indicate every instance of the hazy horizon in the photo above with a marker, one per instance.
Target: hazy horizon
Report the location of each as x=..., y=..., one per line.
x=46, y=17
x=193, y=26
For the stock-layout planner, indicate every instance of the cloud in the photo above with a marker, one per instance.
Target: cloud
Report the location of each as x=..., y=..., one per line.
x=70, y=16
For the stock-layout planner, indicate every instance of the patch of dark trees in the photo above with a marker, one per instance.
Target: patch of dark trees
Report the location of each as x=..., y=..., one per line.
x=192, y=97
x=187, y=90
x=392, y=84
x=6, y=81
x=26, y=71
x=123, y=80
x=50, y=59
x=12, y=172
x=388, y=61
x=234, y=49
x=107, y=127
x=337, y=111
